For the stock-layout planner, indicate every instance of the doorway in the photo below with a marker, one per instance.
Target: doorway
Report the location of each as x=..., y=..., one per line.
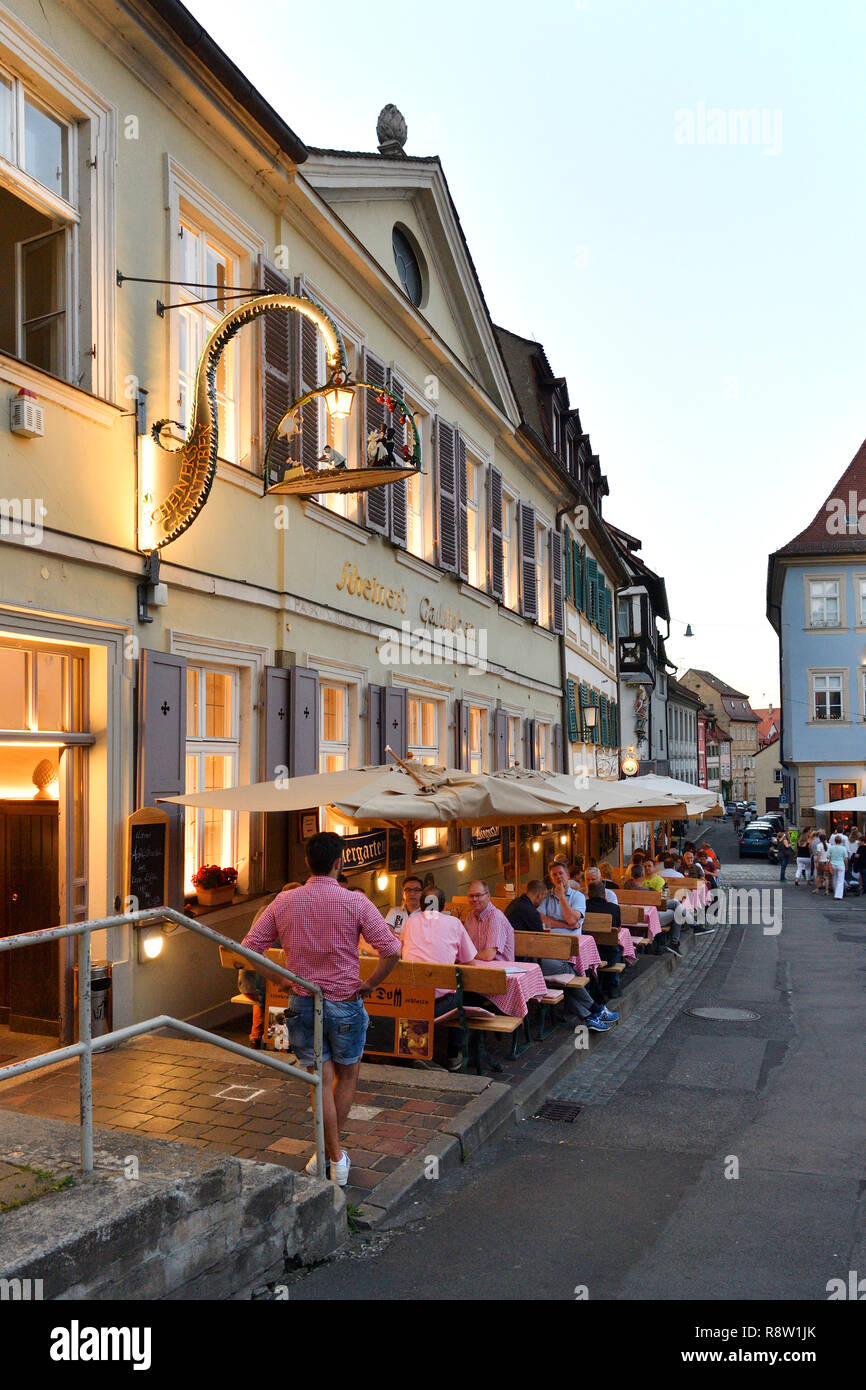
x=842, y=821
x=30, y=901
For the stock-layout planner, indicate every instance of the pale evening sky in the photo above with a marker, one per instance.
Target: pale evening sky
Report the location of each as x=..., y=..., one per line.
x=705, y=300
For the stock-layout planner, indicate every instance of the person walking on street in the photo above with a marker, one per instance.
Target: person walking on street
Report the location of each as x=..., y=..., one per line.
x=319, y=927
x=804, y=859
x=838, y=860
x=783, y=850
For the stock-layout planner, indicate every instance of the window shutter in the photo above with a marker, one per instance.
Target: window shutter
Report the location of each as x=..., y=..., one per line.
x=596, y=733
x=605, y=740
x=497, y=575
x=275, y=755
x=529, y=743
x=399, y=491
x=569, y=567
x=376, y=500
x=579, y=555
x=557, y=748
x=447, y=498
x=500, y=740
x=571, y=710
x=528, y=588
x=395, y=717
x=307, y=346
x=375, y=742
x=461, y=733
x=304, y=721
x=460, y=466
x=276, y=369
x=557, y=614
x=591, y=589
x=162, y=750
x=614, y=728
x=583, y=701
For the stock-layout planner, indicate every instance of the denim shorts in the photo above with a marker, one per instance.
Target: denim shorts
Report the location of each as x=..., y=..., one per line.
x=343, y=1034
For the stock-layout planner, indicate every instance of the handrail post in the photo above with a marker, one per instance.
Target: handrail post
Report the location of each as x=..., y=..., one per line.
x=318, y=1099
x=86, y=1059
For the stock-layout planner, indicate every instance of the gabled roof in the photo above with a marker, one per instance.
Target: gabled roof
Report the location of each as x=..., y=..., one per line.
x=676, y=691
x=817, y=537
x=719, y=685
x=734, y=702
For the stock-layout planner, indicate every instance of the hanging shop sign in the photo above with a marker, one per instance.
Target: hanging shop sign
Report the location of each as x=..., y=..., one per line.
x=363, y=851
x=485, y=835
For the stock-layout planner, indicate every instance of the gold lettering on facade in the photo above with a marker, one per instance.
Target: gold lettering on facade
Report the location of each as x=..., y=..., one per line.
x=352, y=582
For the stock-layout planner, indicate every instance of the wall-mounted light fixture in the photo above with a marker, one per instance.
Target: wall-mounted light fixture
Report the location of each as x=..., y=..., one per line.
x=150, y=943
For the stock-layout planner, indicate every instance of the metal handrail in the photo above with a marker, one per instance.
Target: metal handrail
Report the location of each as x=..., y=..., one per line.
x=86, y=1046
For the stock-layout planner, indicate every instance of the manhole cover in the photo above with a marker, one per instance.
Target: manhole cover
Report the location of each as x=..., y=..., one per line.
x=562, y=1110
x=720, y=1014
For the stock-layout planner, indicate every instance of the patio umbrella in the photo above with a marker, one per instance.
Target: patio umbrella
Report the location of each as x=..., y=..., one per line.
x=698, y=801
x=848, y=803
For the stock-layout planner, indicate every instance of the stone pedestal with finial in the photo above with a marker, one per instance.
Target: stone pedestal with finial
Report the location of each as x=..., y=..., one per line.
x=391, y=131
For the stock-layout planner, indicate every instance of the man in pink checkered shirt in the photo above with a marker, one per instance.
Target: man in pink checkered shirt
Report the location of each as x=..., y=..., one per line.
x=319, y=927
x=490, y=931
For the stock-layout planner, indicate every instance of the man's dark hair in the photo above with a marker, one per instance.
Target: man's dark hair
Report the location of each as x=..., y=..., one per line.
x=595, y=889
x=535, y=885
x=323, y=851
x=637, y=870
x=669, y=861
x=413, y=878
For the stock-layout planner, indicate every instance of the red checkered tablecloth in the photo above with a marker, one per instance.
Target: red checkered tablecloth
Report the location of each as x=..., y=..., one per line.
x=525, y=982
x=651, y=922
x=589, y=958
x=628, y=951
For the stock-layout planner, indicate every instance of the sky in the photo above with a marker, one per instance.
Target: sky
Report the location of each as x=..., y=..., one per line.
x=698, y=279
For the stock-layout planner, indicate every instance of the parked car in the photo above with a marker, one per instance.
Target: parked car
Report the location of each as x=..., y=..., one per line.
x=753, y=807
x=731, y=808
x=756, y=840
x=773, y=818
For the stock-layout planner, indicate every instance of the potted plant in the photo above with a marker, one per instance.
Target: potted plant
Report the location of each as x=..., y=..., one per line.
x=214, y=885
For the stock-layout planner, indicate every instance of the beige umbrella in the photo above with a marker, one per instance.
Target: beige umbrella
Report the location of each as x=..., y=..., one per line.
x=698, y=801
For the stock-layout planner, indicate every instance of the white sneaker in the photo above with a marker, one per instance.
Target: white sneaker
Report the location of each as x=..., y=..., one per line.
x=312, y=1168
x=340, y=1170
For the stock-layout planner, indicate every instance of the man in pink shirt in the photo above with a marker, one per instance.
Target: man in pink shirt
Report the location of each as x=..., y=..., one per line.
x=439, y=939
x=319, y=927
x=490, y=930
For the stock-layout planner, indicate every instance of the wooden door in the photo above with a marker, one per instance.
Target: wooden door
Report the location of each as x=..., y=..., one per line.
x=30, y=901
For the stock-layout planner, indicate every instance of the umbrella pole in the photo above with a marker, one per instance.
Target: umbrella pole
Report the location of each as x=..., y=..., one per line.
x=408, y=840
x=619, y=837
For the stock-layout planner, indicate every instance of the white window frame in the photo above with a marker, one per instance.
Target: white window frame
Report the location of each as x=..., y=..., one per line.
x=543, y=751
x=510, y=548
x=341, y=747
x=860, y=599
x=421, y=486
x=431, y=837
x=200, y=746
x=189, y=200
x=477, y=521
x=811, y=579
x=514, y=740
x=483, y=752
x=816, y=676
x=354, y=678
x=343, y=435
x=92, y=261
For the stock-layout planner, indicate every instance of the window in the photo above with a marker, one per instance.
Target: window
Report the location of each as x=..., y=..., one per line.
x=824, y=603
x=542, y=574
x=862, y=605
x=334, y=727
x=510, y=575
x=515, y=752
x=206, y=260
x=477, y=739
x=476, y=523
x=542, y=746
x=408, y=262
x=212, y=758
x=827, y=696
x=423, y=744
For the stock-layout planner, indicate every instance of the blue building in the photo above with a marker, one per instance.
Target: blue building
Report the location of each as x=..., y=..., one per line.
x=816, y=601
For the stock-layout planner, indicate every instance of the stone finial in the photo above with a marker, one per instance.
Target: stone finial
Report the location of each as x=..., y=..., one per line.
x=391, y=130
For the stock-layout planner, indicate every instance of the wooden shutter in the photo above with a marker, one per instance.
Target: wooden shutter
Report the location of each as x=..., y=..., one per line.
x=571, y=711
x=497, y=575
x=399, y=492
x=446, y=483
x=461, y=733
x=460, y=466
x=395, y=718
x=277, y=394
x=591, y=590
x=579, y=557
x=528, y=587
x=275, y=755
x=557, y=748
x=161, y=749
x=500, y=740
x=557, y=613
x=583, y=701
x=307, y=357
x=304, y=730
x=529, y=743
x=569, y=566
x=605, y=740
x=614, y=726
x=376, y=509
x=375, y=742
x=596, y=733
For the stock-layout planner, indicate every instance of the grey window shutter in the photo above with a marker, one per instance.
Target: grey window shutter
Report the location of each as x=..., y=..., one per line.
x=461, y=733
x=375, y=742
x=395, y=717
x=500, y=740
x=529, y=743
x=399, y=491
x=304, y=733
x=528, y=587
x=446, y=481
x=307, y=357
x=275, y=757
x=376, y=507
x=276, y=368
x=557, y=748
x=569, y=568
x=161, y=767
x=460, y=467
x=497, y=577
x=556, y=581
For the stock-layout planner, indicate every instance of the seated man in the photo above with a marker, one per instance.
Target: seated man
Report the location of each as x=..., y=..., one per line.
x=439, y=939
x=522, y=912
x=588, y=1006
x=708, y=869
x=489, y=929
x=594, y=876
x=651, y=879
x=412, y=890
x=670, y=869
x=562, y=909
x=596, y=903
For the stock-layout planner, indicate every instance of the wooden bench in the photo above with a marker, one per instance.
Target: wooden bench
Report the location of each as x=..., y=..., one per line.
x=487, y=979
x=598, y=925
x=544, y=945
x=639, y=897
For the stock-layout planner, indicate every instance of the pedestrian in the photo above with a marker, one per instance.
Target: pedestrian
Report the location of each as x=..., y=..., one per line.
x=822, y=865
x=783, y=850
x=738, y=821
x=804, y=859
x=319, y=927
x=838, y=860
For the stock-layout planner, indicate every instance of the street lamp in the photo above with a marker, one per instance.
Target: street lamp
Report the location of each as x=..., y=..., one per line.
x=590, y=716
x=339, y=398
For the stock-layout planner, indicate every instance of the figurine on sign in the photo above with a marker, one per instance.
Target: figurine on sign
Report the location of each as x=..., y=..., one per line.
x=331, y=459
x=289, y=426
x=377, y=449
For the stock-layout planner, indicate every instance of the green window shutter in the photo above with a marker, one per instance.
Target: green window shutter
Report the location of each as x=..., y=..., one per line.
x=596, y=733
x=583, y=699
x=605, y=721
x=591, y=590
x=569, y=573
x=614, y=734
x=571, y=708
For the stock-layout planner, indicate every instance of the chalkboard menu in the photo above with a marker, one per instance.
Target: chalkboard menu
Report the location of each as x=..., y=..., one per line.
x=147, y=858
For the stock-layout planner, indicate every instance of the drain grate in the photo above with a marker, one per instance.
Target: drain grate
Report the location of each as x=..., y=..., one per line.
x=564, y=1111
x=721, y=1014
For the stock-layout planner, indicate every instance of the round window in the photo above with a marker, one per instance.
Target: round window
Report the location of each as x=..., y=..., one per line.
x=408, y=264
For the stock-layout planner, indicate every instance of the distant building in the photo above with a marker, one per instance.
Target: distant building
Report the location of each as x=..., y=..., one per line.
x=816, y=602
x=770, y=726
x=643, y=662
x=683, y=752
x=735, y=715
x=768, y=778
